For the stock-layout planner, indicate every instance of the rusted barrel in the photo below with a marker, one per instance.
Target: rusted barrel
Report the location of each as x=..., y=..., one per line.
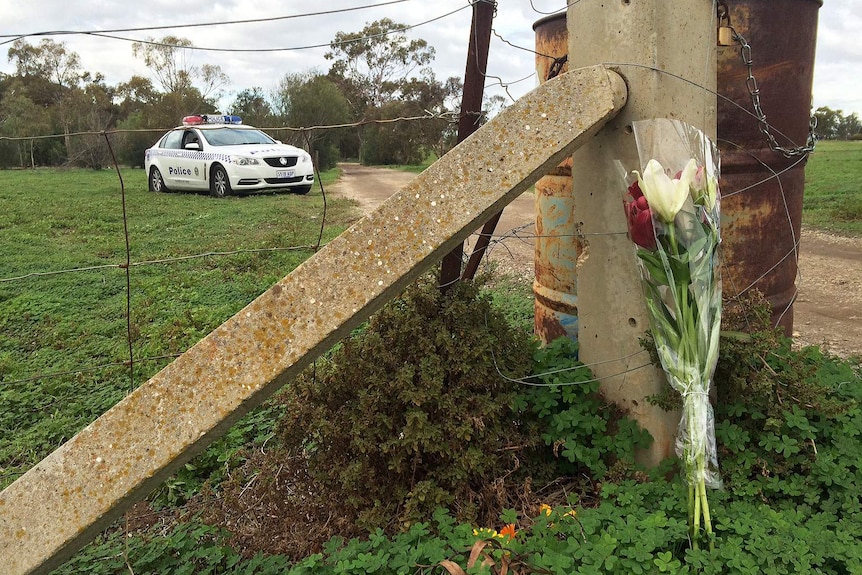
x=555, y=284
x=762, y=189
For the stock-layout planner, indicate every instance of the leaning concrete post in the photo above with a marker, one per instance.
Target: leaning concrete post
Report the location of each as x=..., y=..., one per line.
x=649, y=40
x=72, y=494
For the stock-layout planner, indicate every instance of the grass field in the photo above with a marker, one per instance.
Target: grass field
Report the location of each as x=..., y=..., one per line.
x=833, y=188
x=64, y=335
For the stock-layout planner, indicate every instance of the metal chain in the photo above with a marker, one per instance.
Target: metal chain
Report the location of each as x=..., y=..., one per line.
x=754, y=92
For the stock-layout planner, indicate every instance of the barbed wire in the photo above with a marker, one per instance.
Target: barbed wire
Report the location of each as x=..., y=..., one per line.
x=161, y=261
x=795, y=242
x=500, y=239
x=700, y=87
x=530, y=380
x=88, y=369
x=449, y=116
x=537, y=11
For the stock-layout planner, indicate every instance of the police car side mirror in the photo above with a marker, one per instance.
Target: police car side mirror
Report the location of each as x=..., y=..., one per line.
x=193, y=146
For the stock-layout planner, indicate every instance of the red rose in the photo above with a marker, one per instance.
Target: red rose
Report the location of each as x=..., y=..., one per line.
x=639, y=219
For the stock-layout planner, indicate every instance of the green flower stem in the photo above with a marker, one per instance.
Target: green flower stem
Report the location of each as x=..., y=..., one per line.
x=692, y=494
x=696, y=469
x=707, y=520
x=696, y=460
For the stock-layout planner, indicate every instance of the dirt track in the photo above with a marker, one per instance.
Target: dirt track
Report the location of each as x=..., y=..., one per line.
x=827, y=312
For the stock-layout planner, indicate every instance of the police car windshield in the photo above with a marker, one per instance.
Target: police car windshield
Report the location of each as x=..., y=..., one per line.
x=228, y=136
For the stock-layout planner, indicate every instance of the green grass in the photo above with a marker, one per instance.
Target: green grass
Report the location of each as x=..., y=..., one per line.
x=414, y=168
x=833, y=188
x=64, y=336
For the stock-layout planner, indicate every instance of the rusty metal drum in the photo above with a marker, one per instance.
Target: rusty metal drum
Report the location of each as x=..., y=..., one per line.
x=556, y=251
x=762, y=190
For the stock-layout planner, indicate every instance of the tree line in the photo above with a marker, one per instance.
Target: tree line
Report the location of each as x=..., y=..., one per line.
x=376, y=74
x=834, y=125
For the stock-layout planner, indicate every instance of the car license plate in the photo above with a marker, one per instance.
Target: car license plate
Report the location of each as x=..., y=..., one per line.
x=284, y=174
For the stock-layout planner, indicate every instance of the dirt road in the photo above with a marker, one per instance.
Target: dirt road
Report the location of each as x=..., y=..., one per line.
x=827, y=312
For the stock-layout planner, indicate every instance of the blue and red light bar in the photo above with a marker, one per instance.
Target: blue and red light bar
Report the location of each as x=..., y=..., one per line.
x=211, y=119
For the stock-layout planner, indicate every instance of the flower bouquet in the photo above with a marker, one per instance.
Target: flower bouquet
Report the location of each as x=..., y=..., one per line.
x=672, y=208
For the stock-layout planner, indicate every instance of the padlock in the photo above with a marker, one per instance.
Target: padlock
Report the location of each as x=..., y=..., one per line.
x=725, y=36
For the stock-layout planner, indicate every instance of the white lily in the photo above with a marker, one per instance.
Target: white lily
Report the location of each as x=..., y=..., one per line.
x=666, y=195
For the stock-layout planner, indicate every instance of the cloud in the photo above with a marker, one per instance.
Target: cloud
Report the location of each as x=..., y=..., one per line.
x=838, y=61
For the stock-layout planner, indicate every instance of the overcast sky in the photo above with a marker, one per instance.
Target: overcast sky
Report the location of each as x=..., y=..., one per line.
x=445, y=24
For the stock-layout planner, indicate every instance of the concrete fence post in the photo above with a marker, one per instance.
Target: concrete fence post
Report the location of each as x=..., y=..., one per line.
x=666, y=52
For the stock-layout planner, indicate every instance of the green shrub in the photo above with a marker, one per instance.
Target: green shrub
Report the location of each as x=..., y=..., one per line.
x=413, y=412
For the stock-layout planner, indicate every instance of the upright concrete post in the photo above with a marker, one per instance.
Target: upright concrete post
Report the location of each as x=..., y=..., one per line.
x=651, y=43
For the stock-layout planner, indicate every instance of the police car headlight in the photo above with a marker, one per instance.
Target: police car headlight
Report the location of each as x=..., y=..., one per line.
x=304, y=158
x=246, y=161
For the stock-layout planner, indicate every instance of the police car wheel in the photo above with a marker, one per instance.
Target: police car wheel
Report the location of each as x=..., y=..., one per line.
x=156, y=181
x=219, y=183
x=301, y=190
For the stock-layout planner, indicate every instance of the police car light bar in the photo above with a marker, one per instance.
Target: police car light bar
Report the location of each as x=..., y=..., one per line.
x=211, y=119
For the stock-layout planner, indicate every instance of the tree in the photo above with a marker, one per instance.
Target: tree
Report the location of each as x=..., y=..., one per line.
x=168, y=60
x=834, y=125
x=95, y=111
x=378, y=60
x=20, y=117
x=306, y=100
x=374, y=66
x=60, y=75
x=139, y=99
x=827, y=123
x=251, y=105
x=48, y=60
x=392, y=142
x=849, y=127
x=410, y=141
x=283, y=93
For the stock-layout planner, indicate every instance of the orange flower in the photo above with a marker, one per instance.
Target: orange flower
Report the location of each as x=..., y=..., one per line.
x=508, y=531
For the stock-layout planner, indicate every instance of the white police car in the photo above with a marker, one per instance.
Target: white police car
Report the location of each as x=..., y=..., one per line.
x=220, y=154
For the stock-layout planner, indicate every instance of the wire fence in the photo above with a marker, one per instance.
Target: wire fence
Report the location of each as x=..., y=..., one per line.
x=137, y=354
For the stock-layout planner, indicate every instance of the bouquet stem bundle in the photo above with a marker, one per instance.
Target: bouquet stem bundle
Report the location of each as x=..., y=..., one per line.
x=673, y=215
